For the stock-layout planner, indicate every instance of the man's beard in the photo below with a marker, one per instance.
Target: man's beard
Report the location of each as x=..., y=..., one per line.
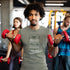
x=33, y=24
x=66, y=25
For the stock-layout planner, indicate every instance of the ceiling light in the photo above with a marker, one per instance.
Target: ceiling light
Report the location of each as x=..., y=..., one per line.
x=56, y=1
x=0, y=4
x=21, y=1
x=24, y=1
x=54, y=4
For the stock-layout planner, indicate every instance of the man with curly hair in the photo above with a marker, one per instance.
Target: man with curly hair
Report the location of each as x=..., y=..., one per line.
x=34, y=38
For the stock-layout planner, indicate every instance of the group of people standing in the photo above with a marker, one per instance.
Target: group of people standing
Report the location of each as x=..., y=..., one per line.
x=33, y=43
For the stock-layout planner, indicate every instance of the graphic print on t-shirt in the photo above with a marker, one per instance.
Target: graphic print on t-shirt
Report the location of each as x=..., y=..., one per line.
x=34, y=44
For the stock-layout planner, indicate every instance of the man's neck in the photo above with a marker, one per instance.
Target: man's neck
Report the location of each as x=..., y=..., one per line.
x=35, y=27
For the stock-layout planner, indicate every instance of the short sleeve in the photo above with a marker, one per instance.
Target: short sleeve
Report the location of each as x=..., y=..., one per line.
x=50, y=32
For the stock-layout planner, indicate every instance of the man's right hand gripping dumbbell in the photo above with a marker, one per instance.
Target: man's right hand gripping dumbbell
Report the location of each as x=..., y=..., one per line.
x=57, y=38
x=53, y=42
x=52, y=45
x=7, y=34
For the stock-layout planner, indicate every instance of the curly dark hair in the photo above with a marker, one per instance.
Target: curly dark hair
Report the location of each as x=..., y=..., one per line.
x=34, y=6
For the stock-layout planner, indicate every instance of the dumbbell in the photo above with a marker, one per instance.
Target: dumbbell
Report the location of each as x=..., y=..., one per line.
x=4, y=33
x=50, y=40
x=64, y=35
x=68, y=38
x=19, y=60
x=16, y=39
x=8, y=60
x=50, y=56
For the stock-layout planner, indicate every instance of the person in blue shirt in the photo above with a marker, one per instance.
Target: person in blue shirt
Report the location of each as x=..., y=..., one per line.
x=63, y=55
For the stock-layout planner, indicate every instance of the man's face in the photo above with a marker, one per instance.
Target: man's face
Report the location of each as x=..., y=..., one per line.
x=34, y=17
x=67, y=22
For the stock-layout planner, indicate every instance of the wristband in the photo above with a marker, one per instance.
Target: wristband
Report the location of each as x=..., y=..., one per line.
x=21, y=57
x=55, y=45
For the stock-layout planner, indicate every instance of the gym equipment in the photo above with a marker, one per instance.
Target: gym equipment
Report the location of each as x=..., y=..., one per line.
x=50, y=40
x=49, y=22
x=64, y=35
x=55, y=19
x=19, y=60
x=4, y=33
x=8, y=60
x=15, y=39
x=49, y=56
x=1, y=58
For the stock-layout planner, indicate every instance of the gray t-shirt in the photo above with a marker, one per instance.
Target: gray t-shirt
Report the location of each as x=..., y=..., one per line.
x=35, y=42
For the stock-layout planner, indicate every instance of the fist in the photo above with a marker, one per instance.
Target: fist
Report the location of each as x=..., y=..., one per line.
x=9, y=35
x=57, y=38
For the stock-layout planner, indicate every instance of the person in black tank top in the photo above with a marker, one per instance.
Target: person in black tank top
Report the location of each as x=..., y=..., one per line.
x=62, y=60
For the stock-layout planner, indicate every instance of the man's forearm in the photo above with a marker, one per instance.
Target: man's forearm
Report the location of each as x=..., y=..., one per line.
x=53, y=49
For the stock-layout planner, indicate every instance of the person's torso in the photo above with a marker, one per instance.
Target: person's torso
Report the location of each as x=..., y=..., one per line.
x=35, y=42
x=16, y=48
x=64, y=47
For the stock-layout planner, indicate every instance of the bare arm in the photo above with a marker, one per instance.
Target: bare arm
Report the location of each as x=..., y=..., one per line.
x=9, y=49
x=8, y=52
x=22, y=53
x=53, y=50
x=55, y=31
x=10, y=35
